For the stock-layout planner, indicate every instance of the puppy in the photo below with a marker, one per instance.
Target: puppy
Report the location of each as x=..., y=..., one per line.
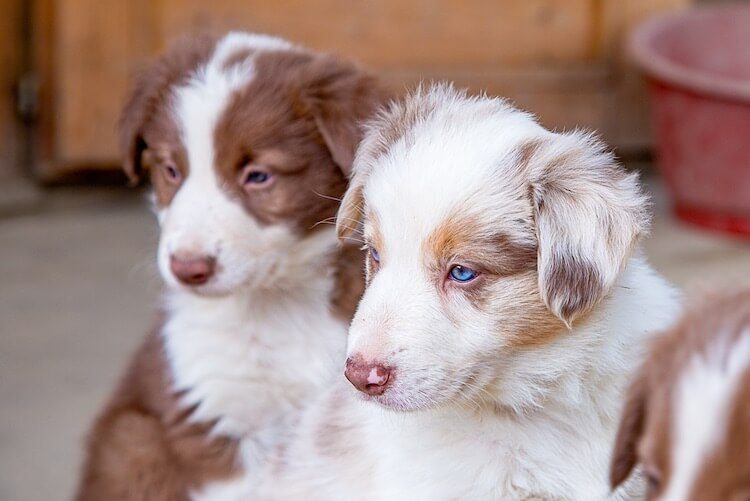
x=248, y=140
x=505, y=307
x=687, y=420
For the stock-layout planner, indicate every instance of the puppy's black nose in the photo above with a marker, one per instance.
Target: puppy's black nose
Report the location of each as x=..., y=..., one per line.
x=368, y=377
x=192, y=270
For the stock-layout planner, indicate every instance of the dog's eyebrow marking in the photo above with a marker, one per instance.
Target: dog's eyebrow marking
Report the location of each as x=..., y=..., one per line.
x=498, y=253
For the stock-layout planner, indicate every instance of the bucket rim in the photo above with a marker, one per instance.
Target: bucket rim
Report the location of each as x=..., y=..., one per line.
x=663, y=69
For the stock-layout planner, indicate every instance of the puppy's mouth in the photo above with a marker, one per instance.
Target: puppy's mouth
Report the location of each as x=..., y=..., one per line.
x=414, y=400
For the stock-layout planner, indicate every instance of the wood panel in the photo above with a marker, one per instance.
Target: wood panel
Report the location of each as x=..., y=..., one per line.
x=390, y=34
x=85, y=52
x=10, y=71
x=562, y=59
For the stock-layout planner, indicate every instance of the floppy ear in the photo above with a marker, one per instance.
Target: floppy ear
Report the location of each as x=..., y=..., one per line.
x=349, y=216
x=589, y=216
x=340, y=98
x=625, y=454
x=133, y=117
x=150, y=90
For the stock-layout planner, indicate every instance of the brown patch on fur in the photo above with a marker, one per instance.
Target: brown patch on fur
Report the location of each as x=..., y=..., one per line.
x=527, y=151
x=307, y=106
x=504, y=265
x=575, y=185
x=349, y=215
x=156, y=159
x=349, y=281
x=143, y=447
x=724, y=474
x=648, y=419
x=145, y=116
x=463, y=239
x=528, y=323
x=577, y=282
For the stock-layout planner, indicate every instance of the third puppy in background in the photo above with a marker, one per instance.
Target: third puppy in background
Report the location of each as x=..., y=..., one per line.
x=505, y=310
x=687, y=419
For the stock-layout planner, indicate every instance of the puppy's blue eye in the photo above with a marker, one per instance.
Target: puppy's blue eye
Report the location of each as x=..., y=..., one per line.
x=462, y=274
x=256, y=177
x=374, y=254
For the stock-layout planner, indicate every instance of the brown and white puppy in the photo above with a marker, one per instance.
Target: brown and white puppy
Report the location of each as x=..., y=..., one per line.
x=505, y=309
x=687, y=419
x=248, y=140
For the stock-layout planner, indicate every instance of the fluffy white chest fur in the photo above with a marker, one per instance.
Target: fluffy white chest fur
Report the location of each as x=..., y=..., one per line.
x=560, y=450
x=249, y=361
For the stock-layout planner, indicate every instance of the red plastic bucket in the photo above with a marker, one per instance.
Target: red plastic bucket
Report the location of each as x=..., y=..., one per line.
x=698, y=67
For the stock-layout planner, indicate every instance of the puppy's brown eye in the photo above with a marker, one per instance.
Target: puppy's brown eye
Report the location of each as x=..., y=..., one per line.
x=172, y=173
x=255, y=176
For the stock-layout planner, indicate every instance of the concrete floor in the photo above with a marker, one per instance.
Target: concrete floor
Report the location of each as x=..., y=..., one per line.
x=77, y=289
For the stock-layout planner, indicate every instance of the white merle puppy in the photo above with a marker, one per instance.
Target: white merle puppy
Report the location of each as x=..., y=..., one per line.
x=506, y=307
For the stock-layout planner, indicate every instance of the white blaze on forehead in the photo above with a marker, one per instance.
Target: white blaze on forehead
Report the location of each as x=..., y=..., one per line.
x=200, y=103
x=701, y=408
x=198, y=106
x=202, y=218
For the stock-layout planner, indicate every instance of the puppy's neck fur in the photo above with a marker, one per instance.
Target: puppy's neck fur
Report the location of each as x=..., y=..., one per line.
x=576, y=405
x=224, y=352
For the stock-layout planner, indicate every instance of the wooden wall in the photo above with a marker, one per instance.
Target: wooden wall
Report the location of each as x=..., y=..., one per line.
x=10, y=70
x=559, y=58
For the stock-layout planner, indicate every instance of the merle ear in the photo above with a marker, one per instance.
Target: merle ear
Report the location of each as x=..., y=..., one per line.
x=589, y=214
x=340, y=98
x=149, y=91
x=633, y=419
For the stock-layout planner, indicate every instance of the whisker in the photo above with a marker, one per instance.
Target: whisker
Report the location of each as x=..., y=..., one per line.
x=327, y=197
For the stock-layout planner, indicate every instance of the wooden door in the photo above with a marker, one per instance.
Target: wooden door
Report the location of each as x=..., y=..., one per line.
x=11, y=69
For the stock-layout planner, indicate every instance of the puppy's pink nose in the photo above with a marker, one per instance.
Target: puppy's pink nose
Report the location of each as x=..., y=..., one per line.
x=368, y=377
x=192, y=270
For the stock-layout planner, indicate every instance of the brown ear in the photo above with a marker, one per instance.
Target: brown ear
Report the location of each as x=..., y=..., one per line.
x=342, y=96
x=633, y=419
x=150, y=90
x=349, y=217
x=589, y=215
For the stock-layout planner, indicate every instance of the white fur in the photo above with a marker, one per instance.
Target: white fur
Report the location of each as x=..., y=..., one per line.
x=702, y=404
x=486, y=419
x=202, y=219
x=252, y=344
x=560, y=450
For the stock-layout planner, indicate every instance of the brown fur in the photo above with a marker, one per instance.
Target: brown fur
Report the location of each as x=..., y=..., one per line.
x=299, y=120
x=144, y=108
x=648, y=420
x=307, y=106
x=349, y=281
x=580, y=184
x=142, y=445
x=468, y=239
